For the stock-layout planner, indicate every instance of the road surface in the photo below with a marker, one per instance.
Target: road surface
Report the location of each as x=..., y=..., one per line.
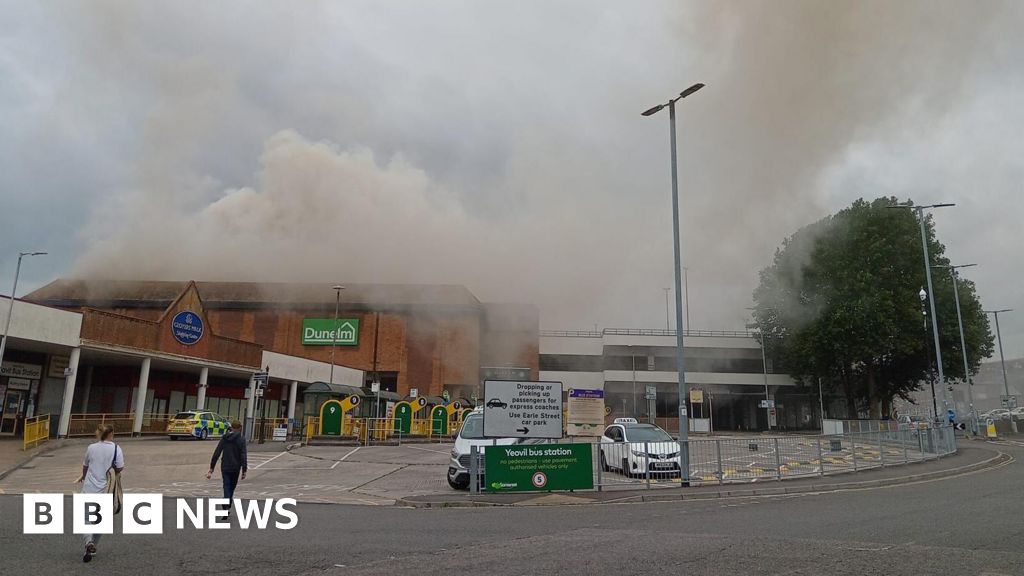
x=971, y=524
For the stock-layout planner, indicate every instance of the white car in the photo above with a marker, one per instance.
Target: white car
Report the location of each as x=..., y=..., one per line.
x=471, y=434
x=633, y=448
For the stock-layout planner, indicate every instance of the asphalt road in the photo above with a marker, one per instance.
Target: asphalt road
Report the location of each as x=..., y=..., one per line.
x=971, y=524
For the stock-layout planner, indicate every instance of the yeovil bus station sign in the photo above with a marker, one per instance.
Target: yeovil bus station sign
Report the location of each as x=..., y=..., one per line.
x=539, y=467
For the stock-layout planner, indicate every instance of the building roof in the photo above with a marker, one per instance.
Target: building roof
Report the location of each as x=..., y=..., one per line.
x=68, y=292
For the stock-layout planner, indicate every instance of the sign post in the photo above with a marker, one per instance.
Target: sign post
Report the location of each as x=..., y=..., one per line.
x=522, y=409
x=539, y=467
x=586, y=412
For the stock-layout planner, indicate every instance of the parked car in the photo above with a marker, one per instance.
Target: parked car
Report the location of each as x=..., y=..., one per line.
x=1017, y=413
x=197, y=424
x=997, y=414
x=471, y=434
x=633, y=448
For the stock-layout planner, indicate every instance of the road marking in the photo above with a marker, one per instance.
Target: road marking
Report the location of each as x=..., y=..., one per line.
x=427, y=450
x=354, y=450
x=268, y=461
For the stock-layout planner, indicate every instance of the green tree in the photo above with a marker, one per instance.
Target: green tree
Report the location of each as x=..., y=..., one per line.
x=840, y=302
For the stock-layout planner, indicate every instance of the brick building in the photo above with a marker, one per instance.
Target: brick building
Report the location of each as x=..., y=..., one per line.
x=188, y=343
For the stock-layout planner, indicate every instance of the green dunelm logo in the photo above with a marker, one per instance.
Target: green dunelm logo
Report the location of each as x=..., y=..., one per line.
x=321, y=332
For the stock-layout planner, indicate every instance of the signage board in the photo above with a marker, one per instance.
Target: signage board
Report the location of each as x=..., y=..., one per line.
x=20, y=370
x=325, y=332
x=375, y=387
x=539, y=467
x=585, y=412
x=522, y=409
x=57, y=366
x=18, y=384
x=280, y=433
x=414, y=392
x=1008, y=402
x=187, y=327
x=767, y=403
x=504, y=373
x=696, y=396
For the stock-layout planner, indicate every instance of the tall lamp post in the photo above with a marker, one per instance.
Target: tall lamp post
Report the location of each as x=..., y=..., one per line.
x=668, y=326
x=931, y=292
x=1002, y=360
x=684, y=435
x=963, y=344
x=764, y=369
x=931, y=379
x=10, y=305
x=334, y=328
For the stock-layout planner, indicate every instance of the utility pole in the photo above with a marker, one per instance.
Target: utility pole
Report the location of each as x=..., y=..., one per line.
x=1002, y=360
x=684, y=430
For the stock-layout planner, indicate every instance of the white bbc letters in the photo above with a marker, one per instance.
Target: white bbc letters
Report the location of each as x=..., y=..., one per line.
x=92, y=513
x=218, y=509
x=143, y=514
x=43, y=514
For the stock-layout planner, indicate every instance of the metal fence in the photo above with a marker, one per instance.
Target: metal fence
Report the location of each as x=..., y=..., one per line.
x=739, y=460
x=85, y=424
x=370, y=431
x=37, y=431
x=638, y=465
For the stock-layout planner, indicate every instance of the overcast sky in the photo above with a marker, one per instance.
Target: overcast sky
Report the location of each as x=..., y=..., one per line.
x=499, y=144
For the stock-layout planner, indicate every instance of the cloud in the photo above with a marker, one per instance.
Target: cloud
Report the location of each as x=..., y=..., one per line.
x=500, y=145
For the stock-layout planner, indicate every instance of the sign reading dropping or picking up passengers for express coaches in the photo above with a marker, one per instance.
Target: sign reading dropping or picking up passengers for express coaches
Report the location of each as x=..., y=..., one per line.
x=187, y=327
x=518, y=409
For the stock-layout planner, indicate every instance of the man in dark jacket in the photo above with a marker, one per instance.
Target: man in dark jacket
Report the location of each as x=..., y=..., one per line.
x=235, y=460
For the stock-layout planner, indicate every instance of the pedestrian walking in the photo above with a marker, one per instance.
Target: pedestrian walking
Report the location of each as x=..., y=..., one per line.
x=104, y=461
x=234, y=460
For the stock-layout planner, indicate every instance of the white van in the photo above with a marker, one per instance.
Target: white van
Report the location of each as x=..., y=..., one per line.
x=471, y=434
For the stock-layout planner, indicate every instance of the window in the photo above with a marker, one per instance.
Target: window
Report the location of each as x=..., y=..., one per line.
x=614, y=432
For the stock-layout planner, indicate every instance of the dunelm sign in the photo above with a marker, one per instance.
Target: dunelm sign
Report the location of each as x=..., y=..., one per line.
x=187, y=327
x=324, y=332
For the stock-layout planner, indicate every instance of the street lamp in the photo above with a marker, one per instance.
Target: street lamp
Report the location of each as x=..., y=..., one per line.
x=963, y=344
x=684, y=434
x=10, y=305
x=667, y=325
x=334, y=329
x=1002, y=360
x=764, y=368
x=931, y=292
x=931, y=380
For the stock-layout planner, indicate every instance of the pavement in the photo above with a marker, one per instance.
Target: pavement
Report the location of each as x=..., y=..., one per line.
x=376, y=476
x=966, y=523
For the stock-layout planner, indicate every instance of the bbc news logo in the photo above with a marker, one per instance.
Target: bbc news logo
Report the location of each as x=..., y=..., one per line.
x=144, y=514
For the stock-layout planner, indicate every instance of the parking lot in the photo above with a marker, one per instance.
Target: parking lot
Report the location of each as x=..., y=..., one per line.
x=376, y=475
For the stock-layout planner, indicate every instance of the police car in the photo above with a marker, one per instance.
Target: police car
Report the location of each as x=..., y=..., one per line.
x=196, y=424
x=633, y=448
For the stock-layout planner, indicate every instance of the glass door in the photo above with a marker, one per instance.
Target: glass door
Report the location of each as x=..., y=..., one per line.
x=11, y=410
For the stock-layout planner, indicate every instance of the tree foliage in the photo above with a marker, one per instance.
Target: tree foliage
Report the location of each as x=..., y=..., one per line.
x=840, y=302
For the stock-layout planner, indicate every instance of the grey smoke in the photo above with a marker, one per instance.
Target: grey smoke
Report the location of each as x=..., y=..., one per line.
x=499, y=145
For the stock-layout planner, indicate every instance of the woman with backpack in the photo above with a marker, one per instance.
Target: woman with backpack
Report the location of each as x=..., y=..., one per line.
x=104, y=461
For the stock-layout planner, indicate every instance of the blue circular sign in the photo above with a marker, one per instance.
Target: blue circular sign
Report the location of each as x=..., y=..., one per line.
x=187, y=327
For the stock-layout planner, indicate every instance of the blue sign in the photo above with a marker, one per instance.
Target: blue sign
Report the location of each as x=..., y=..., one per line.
x=187, y=327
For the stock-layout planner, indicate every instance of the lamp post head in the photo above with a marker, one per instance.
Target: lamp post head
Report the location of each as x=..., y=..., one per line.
x=691, y=90
x=20, y=254
x=653, y=110
x=338, y=287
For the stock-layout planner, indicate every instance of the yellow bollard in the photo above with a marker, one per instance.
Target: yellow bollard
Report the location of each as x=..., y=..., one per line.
x=990, y=429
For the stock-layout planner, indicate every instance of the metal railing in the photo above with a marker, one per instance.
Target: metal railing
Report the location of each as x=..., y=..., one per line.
x=643, y=332
x=37, y=431
x=624, y=465
x=85, y=424
x=384, y=430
